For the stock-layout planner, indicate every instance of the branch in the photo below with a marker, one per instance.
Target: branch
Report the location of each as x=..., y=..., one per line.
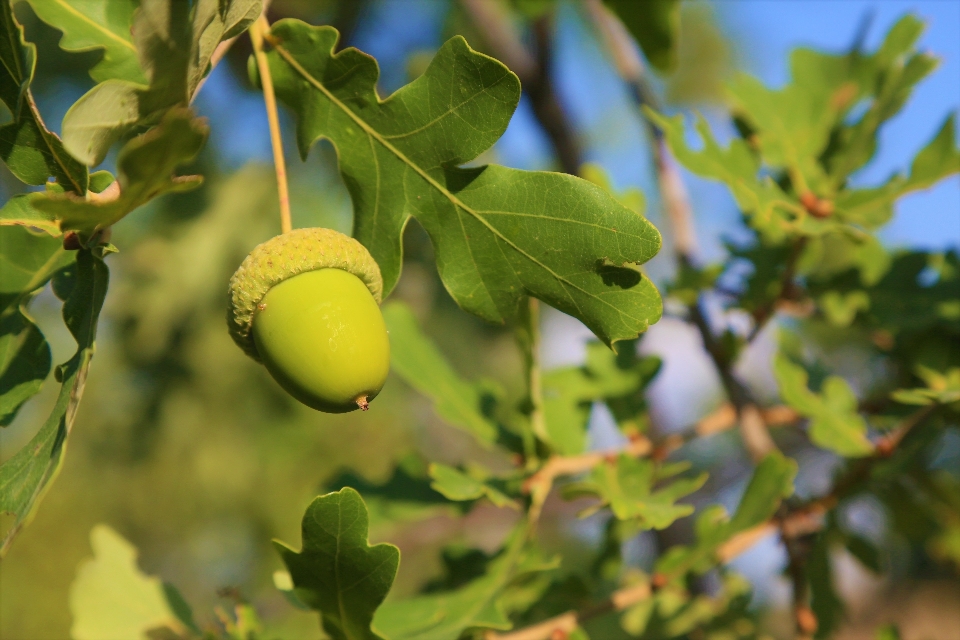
x=626, y=597
x=534, y=73
x=722, y=419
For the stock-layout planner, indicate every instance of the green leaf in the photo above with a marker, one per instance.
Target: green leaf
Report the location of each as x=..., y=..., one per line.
x=458, y=486
x=24, y=362
x=627, y=486
x=96, y=24
x=826, y=603
x=29, y=149
x=112, y=599
x=835, y=422
x=174, y=42
x=942, y=388
x=145, y=170
x=873, y=207
x=478, y=604
x=768, y=208
x=25, y=477
x=500, y=234
x=772, y=481
x=27, y=262
x=894, y=70
x=569, y=392
x=421, y=365
x=791, y=126
x=656, y=26
x=337, y=572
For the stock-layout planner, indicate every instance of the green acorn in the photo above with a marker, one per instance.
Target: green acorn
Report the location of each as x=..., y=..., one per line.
x=306, y=305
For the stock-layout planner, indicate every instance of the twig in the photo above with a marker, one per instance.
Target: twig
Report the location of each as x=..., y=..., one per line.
x=534, y=73
x=626, y=597
x=763, y=314
x=722, y=419
x=257, y=31
x=793, y=524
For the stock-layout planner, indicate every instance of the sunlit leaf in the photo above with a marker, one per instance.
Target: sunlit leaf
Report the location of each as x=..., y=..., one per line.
x=772, y=481
x=337, y=572
x=500, y=234
x=835, y=423
x=635, y=489
x=569, y=392
x=96, y=25
x=111, y=599
x=145, y=170
x=174, y=41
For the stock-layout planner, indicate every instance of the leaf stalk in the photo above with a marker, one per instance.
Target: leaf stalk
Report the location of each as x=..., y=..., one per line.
x=257, y=32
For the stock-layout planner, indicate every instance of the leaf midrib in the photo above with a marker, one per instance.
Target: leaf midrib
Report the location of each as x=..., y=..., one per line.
x=288, y=57
x=97, y=26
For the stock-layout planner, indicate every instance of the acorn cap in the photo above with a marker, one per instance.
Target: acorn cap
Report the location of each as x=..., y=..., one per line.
x=284, y=257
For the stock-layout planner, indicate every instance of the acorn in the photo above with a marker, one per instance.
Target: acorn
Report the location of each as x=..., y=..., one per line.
x=306, y=305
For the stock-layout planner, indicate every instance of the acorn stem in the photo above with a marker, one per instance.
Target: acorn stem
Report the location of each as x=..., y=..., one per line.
x=257, y=31
x=363, y=403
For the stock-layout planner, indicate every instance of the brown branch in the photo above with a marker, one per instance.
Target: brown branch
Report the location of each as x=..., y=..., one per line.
x=534, y=73
x=722, y=419
x=795, y=524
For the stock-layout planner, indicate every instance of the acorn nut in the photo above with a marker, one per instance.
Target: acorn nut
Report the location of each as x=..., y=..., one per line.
x=306, y=305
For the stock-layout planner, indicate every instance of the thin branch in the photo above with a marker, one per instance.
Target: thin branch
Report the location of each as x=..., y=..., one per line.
x=793, y=524
x=534, y=72
x=722, y=419
x=257, y=31
x=787, y=290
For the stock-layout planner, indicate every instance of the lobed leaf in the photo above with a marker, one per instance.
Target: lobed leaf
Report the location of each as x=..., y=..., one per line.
x=145, y=170
x=772, y=481
x=569, y=392
x=25, y=477
x=27, y=262
x=421, y=365
x=458, y=486
x=835, y=422
x=478, y=604
x=337, y=572
x=174, y=42
x=89, y=25
x=500, y=234
x=627, y=486
x=31, y=151
x=111, y=598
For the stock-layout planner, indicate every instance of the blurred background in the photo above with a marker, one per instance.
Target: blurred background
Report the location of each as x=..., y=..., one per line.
x=193, y=453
